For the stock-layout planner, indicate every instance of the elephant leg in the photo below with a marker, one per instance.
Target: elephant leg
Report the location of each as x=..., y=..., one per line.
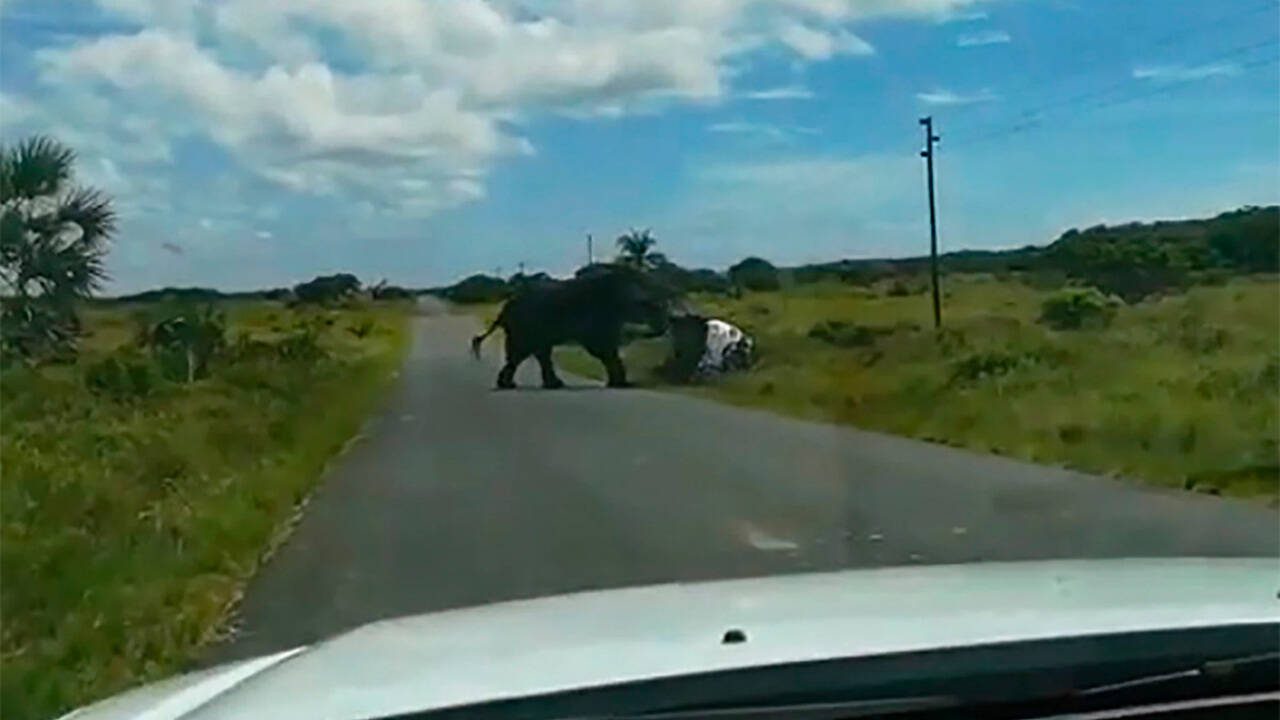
x=550, y=380
x=516, y=354
x=613, y=367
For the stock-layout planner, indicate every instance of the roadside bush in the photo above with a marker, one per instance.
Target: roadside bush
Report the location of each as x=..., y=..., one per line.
x=1044, y=279
x=302, y=344
x=122, y=375
x=899, y=289
x=362, y=329
x=993, y=364
x=1216, y=277
x=184, y=341
x=1197, y=337
x=247, y=349
x=984, y=365
x=951, y=341
x=1138, y=282
x=1240, y=383
x=37, y=330
x=755, y=274
x=847, y=335
x=1078, y=308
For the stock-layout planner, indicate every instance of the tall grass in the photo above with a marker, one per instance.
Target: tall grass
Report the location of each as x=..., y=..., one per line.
x=132, y=524
x=1180, y=391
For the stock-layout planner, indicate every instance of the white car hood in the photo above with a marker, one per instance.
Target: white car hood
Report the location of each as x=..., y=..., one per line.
x=523, y=648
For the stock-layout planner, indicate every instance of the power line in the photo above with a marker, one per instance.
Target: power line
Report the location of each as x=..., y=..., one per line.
x=1091, y=61
x=1083, y=101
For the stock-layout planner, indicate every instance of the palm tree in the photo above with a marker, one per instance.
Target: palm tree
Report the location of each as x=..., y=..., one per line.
x=53, y=245
x=635, y=247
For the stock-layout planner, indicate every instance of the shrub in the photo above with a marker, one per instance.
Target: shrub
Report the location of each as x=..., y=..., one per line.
x=1201, y=339
x=983, y=365
x=247, y=349
x=302, y=344
x=846, y=335
x=327, y=289
x=1216, y=277
x=1078, y=308
x=899, y=289
x=362, y=329
x=755, y=274
x=123, y=375
x=184, y=341
x=478, y=289
x=37, y=330
x=951, y=341
x=1137, y=282
x=1045, y=279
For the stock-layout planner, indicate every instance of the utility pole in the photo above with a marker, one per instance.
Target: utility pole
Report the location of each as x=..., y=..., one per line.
x=521, y=266
x=591, y=256
x=927, y=154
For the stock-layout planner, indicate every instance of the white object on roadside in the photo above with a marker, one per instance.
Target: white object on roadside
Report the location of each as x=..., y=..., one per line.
x=727, y=348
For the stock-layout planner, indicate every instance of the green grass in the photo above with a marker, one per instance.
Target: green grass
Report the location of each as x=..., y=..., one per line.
x=130, y=527
x=1177, y=392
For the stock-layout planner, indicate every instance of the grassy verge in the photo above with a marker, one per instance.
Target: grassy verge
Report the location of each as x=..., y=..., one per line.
x=1176, y=392
x=131, y=525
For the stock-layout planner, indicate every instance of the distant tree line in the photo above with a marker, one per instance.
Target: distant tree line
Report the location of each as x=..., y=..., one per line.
x=322, y=290
x=1129, y=261
x=1138, y=259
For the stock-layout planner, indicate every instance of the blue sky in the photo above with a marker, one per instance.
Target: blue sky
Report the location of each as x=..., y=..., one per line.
x=256, y=144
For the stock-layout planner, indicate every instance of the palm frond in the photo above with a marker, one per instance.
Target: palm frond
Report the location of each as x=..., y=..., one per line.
x=91, y=211
x=59, y=270
x=34, y=167
x=13, y=234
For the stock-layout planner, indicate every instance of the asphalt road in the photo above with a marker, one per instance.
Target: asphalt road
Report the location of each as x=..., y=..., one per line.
x=458, y=495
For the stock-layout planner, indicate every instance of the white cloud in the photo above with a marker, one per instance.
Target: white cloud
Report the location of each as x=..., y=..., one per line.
x=263, y=234
x=746, y=128
x=961, y=16
x=814, y=44
x=1179, y=73
x=307, y=129
x=769, y=131
x=403, y=105
x=206, y=223
x=986, y=37
x=785, y=92
x=15, y=109
x=949, y=97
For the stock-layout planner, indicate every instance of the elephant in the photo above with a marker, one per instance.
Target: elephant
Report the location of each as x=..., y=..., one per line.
x=589, y=310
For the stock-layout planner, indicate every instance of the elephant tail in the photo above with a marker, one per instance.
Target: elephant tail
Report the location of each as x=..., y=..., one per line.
x=478, y=340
